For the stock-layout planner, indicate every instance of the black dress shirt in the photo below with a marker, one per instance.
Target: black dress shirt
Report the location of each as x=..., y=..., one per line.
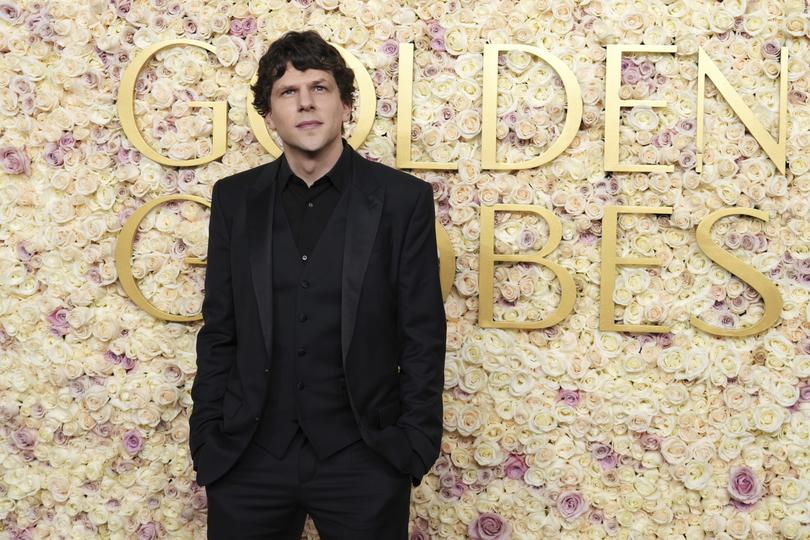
x=308, y=208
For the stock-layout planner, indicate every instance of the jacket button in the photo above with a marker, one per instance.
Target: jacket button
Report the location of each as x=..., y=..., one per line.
x=305, y=284
x=266, y=370
x=302, y=351
x=300, y=385
x=257, y=418
x=304, y=257
x=302, y=317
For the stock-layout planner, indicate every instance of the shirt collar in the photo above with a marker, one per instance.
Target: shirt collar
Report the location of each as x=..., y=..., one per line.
x=338, y=175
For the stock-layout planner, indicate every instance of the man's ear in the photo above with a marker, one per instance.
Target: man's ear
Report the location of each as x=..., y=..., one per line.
x=269, y=120
x=347, y=112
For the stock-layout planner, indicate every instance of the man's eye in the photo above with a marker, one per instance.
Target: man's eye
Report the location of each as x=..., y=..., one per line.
x=319, y=87
x=285, y=92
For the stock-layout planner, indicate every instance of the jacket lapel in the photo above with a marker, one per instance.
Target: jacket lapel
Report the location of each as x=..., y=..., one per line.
x=364, y=209
x=363, y=217
x=259, y=221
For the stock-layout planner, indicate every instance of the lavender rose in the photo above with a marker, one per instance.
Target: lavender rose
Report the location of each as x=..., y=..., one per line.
x=24, y=439
x=58, y=321
x=571, y=505
x=147, y=531
x=601, y=450
x=515, y=467
x=489, y=526
x=435, y=29
x=133, y=442
x=743, y=485
x=53, y=155
x=390, y=47
x=9, y=11
x=804, y=392
x=630, y=74
x=569, y=397
x=15, y=160
x=527, y=239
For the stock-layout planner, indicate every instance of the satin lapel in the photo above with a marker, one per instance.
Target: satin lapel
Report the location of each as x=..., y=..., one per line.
x=363, y=217
x=260, y=237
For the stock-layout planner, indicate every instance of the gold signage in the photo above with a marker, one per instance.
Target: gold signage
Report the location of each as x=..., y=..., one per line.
x=610, y=260
x=487, y=259
x=766, y=289
x=613, y=82
x=573, y=94
x=126, y=109
x=775, y=149
x=123, y=257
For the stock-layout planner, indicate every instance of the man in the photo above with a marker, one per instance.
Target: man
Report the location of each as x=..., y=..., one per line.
x=320, y=365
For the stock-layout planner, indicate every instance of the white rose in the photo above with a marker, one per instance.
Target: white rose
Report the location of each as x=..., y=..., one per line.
x=794, y=490
x=488, y=453
x=698, y=474
x=227, y=51
x=768, y=417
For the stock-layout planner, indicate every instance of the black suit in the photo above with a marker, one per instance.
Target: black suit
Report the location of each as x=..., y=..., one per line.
x=392, y=320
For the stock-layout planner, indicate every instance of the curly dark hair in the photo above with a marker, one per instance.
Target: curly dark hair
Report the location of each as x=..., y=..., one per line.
x=304, y=50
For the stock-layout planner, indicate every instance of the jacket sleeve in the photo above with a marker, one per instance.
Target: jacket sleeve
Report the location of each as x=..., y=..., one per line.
x=423, y=332
x=216, y=340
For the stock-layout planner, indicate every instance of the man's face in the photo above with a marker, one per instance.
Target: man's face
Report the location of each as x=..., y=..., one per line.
x=306, y=110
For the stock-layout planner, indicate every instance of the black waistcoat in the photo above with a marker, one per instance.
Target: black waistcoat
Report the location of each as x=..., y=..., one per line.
x=306, y=386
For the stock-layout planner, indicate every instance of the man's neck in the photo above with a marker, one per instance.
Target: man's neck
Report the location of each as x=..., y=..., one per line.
x=309, y=166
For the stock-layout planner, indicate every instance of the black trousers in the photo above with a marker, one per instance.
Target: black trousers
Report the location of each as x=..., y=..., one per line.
x=353, y=494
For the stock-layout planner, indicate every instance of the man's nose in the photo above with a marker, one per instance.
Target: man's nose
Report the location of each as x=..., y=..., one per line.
x=305, y=100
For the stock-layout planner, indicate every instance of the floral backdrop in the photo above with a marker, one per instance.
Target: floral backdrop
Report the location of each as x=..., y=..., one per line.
x=565, y=432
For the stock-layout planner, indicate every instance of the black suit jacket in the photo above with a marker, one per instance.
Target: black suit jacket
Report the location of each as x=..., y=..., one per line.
x=393, y=328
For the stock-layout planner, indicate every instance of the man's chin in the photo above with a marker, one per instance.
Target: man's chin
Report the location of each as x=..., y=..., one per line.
x=311, y=146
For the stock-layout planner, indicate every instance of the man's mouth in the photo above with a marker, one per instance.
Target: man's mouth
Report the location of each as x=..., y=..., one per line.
x=308, y=124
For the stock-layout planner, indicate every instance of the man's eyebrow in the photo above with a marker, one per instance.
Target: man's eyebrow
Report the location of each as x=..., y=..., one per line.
x=293, y=86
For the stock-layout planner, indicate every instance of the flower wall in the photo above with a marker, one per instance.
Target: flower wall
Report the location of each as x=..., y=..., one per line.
x=564, y=432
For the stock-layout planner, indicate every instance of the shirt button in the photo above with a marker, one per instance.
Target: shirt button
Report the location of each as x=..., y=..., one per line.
x=303, y=257
x=305, y=284
x=267, y=370
x=302, y=351
x=300, y=385
x=309, y=204
x=302, y=317
x=257, y=418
